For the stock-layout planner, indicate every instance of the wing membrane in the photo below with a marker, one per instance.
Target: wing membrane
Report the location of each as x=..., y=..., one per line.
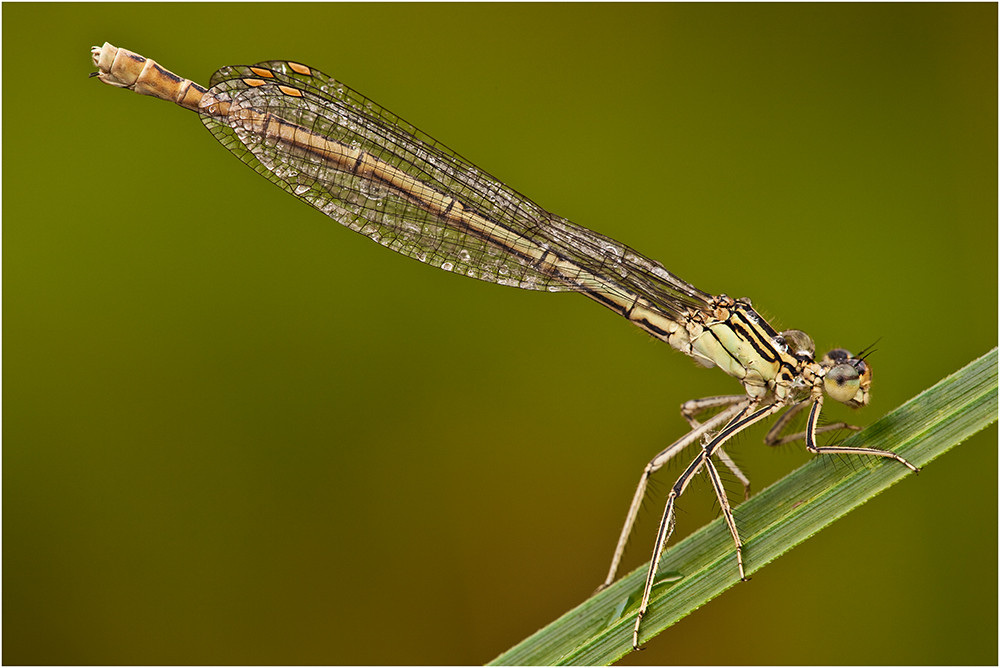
x=321, y=107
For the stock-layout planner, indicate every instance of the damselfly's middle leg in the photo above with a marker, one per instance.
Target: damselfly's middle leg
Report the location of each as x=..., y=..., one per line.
x=691, y=409
x=698, y=431
x=740, y=421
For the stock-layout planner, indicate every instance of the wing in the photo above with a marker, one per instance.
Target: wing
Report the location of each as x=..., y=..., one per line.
x=380, y=176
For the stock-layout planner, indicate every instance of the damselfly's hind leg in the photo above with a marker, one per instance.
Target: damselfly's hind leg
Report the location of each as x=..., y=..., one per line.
x=668, y=453
x=731, y=465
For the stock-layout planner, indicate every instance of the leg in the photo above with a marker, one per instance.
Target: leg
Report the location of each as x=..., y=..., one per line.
x=662, y=536
x=689, y=411
x=775, y=438
x=740, y=422
x=731, y=465
x=727, y=512
x=657, y=462
x=811, y=446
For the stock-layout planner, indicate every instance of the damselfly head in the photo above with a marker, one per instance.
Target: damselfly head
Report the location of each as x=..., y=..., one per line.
x=847, y=377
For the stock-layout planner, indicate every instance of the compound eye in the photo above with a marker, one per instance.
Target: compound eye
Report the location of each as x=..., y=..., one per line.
x=837, y=356
x=842, y=382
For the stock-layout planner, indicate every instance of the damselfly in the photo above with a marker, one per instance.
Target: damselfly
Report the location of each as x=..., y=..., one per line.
x=378, y=175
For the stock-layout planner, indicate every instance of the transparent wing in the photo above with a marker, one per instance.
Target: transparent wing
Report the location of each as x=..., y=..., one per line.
x=307, y=100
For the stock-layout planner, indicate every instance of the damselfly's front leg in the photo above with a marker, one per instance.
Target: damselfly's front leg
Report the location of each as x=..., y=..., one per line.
x=699, y=430
x=737, y=424
x=693, y=408
x=812, y=430
x=774, y=437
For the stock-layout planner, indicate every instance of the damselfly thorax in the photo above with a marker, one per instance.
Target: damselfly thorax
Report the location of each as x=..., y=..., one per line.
x=376, y=174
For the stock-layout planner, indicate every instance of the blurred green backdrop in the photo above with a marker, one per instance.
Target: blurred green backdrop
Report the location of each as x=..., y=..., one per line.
x=236, y=432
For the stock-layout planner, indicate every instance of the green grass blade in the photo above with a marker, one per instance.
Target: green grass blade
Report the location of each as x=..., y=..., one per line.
x=599, y=631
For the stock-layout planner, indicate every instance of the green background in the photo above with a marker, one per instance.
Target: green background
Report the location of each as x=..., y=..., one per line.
x=237, y=433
